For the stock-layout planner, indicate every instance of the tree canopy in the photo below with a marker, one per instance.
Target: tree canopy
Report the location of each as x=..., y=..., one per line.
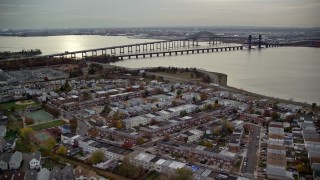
x=97, y=157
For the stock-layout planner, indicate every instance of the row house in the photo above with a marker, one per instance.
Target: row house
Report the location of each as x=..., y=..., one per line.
x=192, y=135
x=135, y=121
x=176, y=124
x=235, y=142
x=10, y=161
x=254, y=118
x=276, y=153
x=201, y=153
x=119, y=135
x=288, y=107
x=111, y=152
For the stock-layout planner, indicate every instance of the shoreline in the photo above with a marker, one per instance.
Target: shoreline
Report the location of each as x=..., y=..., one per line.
x=229, y=88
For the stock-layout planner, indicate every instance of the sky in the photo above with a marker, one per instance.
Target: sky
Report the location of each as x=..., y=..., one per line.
x=25, y=14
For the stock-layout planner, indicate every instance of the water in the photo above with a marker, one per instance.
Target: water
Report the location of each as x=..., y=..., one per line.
x=286, y=72
x=59, y=44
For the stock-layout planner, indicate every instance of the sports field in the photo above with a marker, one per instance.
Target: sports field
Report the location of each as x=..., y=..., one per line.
x=40, y=116
x=40, y=136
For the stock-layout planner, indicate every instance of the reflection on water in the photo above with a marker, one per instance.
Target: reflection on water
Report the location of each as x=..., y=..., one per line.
x=286, y=72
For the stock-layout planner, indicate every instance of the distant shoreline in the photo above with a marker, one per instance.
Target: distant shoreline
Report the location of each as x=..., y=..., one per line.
x=237, y=90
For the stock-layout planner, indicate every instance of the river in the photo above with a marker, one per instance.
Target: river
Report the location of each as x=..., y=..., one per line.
x=284, y=72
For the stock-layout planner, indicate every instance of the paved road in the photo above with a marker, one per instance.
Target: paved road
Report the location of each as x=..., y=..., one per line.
x=252, y=150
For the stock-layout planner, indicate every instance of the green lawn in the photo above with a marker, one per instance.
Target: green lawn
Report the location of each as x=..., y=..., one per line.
x=47, y=125
x=7, y=106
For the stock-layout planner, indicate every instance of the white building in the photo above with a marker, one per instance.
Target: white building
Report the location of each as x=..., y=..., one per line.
x=35, y=162
x=135, y=121
x=69, y=138
x=3, y=131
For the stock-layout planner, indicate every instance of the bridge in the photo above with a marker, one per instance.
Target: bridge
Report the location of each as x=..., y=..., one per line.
x=203, y=42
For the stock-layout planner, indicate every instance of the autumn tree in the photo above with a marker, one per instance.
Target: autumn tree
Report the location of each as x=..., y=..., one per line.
x=166, y=137
x=86, y=95
x=183, y=174
x=62, y=150
x=174, y=103
x=140, y=141
x=127, y=145
x=203, y=96
x=97, y=157
x=93, y=132
x=25, y=134
x=50, y=143
x=73, y=124
x=28, y=121
x=154, y=122
x=119, y=124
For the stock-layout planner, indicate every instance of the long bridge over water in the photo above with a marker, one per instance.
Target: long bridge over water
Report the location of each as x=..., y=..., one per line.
x=198, y=43
x=191, y=45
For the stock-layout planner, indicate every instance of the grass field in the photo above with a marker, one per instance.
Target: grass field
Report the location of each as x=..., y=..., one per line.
x=40, y=116
x=47, y=125
x=184, y=75
x=7, y=106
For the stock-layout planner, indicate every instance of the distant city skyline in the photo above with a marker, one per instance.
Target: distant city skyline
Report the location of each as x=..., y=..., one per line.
x=15, y=14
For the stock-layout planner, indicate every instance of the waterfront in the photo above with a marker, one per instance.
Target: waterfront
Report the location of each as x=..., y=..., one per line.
x=287, y=72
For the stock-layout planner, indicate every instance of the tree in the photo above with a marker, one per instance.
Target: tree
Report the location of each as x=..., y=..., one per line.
x=28, y=121
x=140, y=141
x=266, y=113
x=179, y=93
x=13, y=109
x=183, y=174
x=216, y=102
x=50, y=143
x=275, y=115
x=154, y=122
x=203, y=96
x=74, y=124
x=174, y=103
x=119, y=124
x=66, y=87
x=86, y=95
x=166, y=137
x=127, y=145
x=313, y=106
x=25, y=134
x=97, y=157
x=62, y=150
x=216, y=131
x=183, y=113
x=127, y=169
x=207, y=107
x=93, y=132
x=106, y=109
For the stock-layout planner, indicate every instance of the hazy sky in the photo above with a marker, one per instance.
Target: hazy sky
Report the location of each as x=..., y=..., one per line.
x=123, y=13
